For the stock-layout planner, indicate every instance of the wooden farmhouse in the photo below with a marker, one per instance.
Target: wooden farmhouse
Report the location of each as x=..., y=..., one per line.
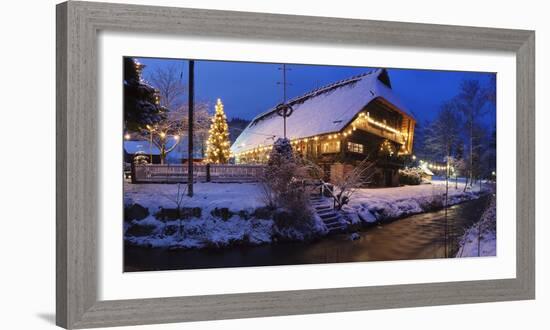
x=337, y=126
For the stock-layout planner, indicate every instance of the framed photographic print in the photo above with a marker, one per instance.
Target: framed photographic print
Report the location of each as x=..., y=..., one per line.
x=215, y=165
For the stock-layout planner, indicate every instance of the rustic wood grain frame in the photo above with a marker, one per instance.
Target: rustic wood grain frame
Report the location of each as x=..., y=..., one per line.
x=78, y=24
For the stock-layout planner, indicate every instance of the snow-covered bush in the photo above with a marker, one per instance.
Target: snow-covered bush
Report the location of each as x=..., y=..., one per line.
x=278, y=174
x=410, y=176
x=294, y=219
x=284, y=191
x=140, y=158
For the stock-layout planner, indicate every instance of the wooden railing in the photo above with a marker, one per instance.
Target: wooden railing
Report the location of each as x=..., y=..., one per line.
x=371, y=128
x=166, y=173
x=327, y=189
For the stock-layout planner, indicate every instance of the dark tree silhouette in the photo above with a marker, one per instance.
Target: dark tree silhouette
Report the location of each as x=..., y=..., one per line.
x=471, y=102
x=443, y=140
x=141, y=101
x=169, y=83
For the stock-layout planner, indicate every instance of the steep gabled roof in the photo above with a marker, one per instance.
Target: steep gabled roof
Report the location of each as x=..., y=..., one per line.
x=321, y=111
x=180, y=152
x=138, y=146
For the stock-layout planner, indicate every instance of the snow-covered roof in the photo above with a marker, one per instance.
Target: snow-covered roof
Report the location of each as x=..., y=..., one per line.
x=134, y=146
x=321, y=111
x=182, y=151
x=179, y=153
x=426, y=171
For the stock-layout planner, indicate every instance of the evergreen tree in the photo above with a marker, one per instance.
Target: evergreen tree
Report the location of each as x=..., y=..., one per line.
x=217, y=150
x=141, y=101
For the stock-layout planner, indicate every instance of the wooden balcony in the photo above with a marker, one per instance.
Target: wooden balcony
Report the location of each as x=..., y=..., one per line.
x=365, y=125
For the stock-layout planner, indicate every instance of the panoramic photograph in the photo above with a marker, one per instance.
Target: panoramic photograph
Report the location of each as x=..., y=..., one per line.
x=244, y=164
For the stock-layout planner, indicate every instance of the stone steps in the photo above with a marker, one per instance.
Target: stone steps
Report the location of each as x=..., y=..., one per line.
x=324, y=209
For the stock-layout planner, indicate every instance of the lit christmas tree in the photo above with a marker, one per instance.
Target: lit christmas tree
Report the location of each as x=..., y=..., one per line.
x=217, y=150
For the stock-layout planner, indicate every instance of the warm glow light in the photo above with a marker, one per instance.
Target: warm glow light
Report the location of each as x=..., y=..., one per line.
x=127, y=136
x=382, y=125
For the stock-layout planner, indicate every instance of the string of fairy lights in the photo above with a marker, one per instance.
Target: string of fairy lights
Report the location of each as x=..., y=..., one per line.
x=217, y=145
x=363, y=120
x=436, y=166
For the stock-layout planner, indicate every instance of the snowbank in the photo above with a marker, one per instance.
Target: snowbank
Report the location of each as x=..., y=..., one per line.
x=198, y=233
x=382, y=204
x=480, y=239
x=247, y=222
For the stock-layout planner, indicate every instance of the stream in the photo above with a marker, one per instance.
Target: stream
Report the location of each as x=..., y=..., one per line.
x=420, y=236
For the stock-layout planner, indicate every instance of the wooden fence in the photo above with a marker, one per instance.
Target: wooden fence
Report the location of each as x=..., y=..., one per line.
x=166, y=173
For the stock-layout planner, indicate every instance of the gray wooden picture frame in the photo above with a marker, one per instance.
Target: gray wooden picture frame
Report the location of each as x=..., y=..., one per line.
x=78, y=24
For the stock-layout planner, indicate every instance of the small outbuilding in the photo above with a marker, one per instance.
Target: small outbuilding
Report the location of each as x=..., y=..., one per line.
x=133, y=148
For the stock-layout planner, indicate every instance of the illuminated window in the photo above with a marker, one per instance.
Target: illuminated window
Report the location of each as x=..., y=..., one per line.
x=355, y=147
x=331, y=147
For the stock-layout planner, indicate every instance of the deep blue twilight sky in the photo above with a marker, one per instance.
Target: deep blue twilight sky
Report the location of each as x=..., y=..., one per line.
x=247, y=89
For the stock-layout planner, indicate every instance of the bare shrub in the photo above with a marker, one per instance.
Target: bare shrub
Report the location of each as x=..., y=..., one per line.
x=347, y=185
x=177, y=199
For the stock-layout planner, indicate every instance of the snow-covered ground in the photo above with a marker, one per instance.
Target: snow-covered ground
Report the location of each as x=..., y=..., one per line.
x=480, y=239
x=243, y=225
x=207, y=195
x=381, y=204
x=208, y=230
